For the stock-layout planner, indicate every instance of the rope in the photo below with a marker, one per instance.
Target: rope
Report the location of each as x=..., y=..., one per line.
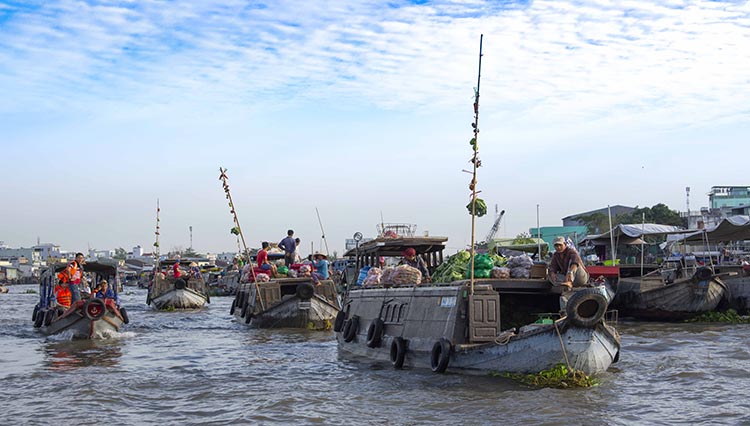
x=562, y=345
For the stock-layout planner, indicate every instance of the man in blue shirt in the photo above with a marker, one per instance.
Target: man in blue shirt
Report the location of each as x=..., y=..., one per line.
x=289, y=246
x=320, y=263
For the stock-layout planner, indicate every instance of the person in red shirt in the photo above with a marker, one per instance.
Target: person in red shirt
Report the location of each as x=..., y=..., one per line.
x=176, y=269
x=262, y=259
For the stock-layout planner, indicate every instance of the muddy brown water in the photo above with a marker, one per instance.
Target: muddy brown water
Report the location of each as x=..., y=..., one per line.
x=202, y=367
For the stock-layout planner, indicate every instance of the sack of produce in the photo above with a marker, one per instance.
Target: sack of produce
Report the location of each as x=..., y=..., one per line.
x=483, y=261
x=262, y=278
x=500, y=272
x=519, y=272
x=387, y=276
x=283, y=270
x=405, y=274
x=292, y=273
x=520, y=261
x=373, y=277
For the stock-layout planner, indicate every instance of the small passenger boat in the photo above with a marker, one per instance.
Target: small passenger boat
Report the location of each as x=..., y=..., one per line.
x=287, y=303
x=188, y=291
x=510, y=326
x=85, y=319
x=672, y=293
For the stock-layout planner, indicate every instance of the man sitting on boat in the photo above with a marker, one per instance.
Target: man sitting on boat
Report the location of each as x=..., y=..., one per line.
x=262, y=258
x=566, y=267
x=411, y=259
x=63, y=295
x=106, y=293
x=320, y=262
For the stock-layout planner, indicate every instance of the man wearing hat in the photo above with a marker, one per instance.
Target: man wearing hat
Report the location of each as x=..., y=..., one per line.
x=320, y=262
x=411, y=259
x=566, y=267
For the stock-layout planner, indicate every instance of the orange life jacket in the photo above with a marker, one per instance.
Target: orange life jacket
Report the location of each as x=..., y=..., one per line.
x=63, y=295
x=68, y=273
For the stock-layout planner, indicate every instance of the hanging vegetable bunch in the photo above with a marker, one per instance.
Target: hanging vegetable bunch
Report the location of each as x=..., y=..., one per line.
x=235, y=230
x=476, y=206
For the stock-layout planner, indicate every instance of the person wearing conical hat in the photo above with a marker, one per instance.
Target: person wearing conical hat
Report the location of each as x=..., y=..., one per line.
x=320, y=263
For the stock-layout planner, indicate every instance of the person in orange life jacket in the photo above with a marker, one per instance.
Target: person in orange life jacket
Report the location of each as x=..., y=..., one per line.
x=73, y=275
x=62, y=294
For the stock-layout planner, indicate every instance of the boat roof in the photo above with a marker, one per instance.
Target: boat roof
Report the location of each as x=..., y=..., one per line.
x=97, y=267
x=395, y=246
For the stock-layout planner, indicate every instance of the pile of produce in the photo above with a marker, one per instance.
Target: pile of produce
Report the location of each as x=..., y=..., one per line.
x=456, y=267
x=500, y=272
x=262, y=278
x=304, y=271
x=483, y=265
x=520, y=266
x=373, y=277
x=405, y=274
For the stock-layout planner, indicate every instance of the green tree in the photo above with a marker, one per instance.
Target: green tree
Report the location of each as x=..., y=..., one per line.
x=120, y=253
x=597, y=223
x=523, y=238
x=659, y=213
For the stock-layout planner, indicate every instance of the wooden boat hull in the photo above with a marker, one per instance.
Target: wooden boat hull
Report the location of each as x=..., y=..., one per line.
x=185, y=298
x=591, y=350
x=315, y=310
x=79, y=325
x=432, y=315
x=682, y=299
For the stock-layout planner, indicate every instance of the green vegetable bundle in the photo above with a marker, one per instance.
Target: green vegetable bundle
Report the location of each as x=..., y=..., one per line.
x=452, y=269
x=480, y=207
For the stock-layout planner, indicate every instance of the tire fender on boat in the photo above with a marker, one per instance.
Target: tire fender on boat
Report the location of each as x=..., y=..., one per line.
x=124, y=315
x=338, y=325
x=234, y=305
x=586, y=307
x=49, y=317
x=33, y=314
x=398, y=352
x=375, y=333
x=249, y=317
x=180, y=284
x=702, y=274
x=350, y=328
x=39, y=319
x=441, y=355
x=305, y=291
x=94, y=309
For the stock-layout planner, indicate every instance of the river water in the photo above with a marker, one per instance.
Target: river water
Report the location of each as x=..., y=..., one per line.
x=202, y=367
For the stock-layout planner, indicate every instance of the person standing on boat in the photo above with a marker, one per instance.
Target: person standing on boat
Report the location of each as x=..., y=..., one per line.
x=289, y=246
x=262, y=258
x=411, y=259
x=176, y=268
x=297, y=256
x=566, y=267
x=73, y=274
x=320, y=263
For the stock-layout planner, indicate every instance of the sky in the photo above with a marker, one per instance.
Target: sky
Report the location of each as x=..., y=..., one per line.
x=362, y=110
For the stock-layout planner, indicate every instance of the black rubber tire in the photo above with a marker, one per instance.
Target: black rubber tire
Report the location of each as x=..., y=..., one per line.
x=33, y=314
x=234, y=305
x=350, y=328
x=375, y=333
x=248, y=318
x=703, y=274
x=440, y=355
x=398, y=352
x=124, y=315
x=50, y=316
x=243, y=312
x=305, y=291
x=39, y=319
x=180, y=284
x=97, y=302
x=586, y=308
x=338, y=325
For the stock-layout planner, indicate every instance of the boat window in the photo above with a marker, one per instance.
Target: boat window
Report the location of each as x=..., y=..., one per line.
x=401, y=311
x=387, y=312
x=393, y=313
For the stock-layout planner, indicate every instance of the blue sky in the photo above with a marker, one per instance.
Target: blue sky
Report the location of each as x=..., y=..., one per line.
x=357, y=108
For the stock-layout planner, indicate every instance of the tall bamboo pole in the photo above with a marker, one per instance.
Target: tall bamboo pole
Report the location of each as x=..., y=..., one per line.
x=475, y=162
x=223, y=178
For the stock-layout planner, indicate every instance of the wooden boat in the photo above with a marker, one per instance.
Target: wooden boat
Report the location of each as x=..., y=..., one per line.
x=85, y=319
x=446, y=327
x=189, y=291
x=286, y=303
x=671, y=293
